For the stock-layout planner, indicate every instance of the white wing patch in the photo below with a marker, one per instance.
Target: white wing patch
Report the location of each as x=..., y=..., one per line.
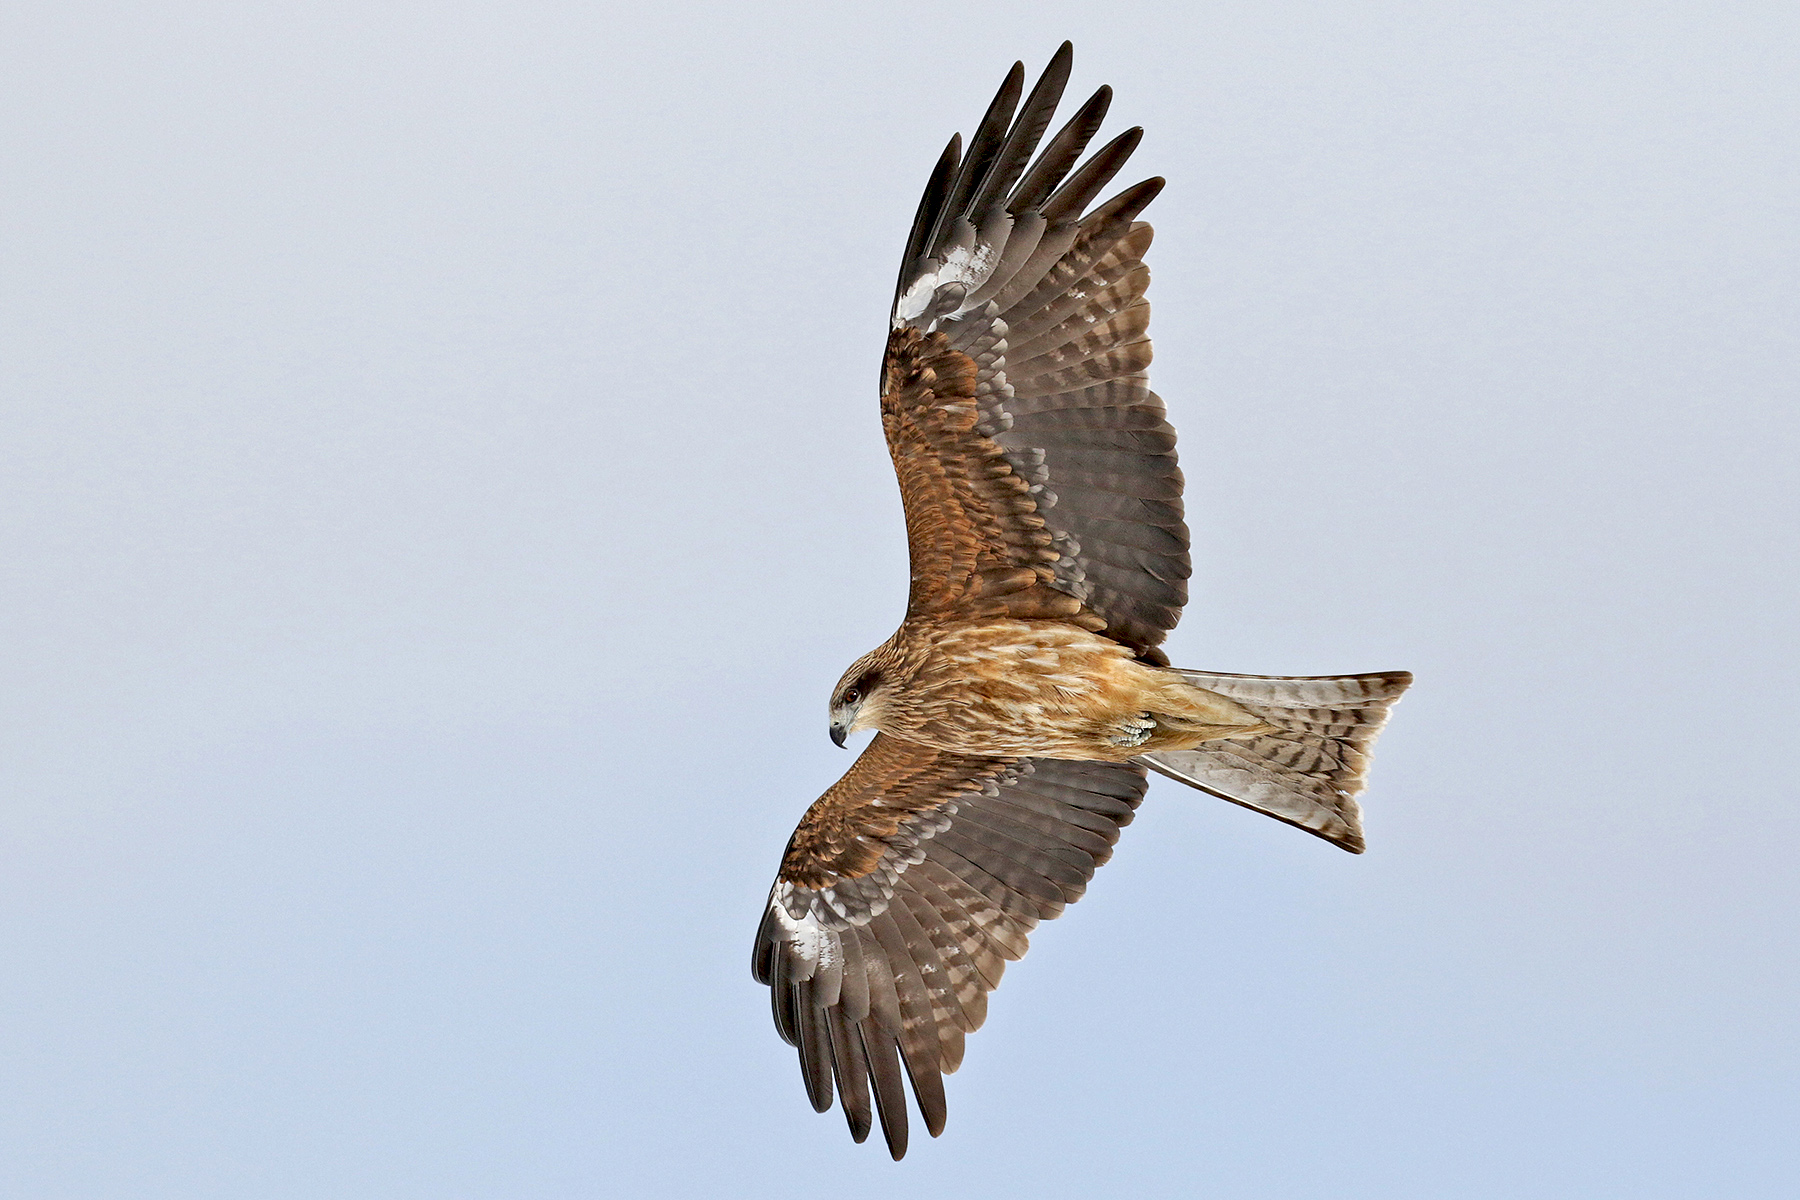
x=963, y=267
x=809, y=942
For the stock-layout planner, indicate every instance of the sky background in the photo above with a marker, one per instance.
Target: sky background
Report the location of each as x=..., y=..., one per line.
x=440, y=481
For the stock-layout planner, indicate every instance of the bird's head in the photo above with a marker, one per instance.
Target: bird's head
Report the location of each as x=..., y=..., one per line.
x=856, y=700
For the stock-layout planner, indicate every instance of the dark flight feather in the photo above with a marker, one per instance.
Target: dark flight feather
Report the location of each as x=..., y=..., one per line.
x=1056, y=326
x=881, y=973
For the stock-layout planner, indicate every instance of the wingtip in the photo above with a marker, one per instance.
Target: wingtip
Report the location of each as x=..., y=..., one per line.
x=894, y=1134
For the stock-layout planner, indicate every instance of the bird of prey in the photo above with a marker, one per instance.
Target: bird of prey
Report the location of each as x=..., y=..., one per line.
x=1024, y=694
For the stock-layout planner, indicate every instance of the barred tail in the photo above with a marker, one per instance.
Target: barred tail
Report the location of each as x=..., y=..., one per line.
x=1309, y=771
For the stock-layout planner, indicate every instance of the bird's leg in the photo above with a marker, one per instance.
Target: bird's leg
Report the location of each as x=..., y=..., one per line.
x=1131, y=731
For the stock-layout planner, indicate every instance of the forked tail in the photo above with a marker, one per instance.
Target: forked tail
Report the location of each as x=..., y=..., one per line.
x=1309, y=771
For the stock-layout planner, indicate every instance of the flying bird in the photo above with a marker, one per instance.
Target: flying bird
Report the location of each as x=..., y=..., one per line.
x=1025, y=693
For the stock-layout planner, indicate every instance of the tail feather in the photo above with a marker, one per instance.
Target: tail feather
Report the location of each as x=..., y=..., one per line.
x=1309, y=771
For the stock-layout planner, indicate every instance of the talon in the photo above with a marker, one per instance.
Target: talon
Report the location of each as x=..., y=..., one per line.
x=1134, y=731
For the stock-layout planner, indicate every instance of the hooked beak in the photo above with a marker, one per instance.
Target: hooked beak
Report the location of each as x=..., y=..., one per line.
x=838, y=734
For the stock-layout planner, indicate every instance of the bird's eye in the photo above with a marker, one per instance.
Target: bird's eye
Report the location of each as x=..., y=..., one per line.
x=852, y=696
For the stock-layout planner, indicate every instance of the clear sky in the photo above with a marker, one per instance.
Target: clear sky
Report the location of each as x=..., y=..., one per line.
x=440, y=481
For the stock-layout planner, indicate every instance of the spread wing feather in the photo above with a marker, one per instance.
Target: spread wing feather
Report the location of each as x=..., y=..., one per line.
x=1018, y=341
x=903, y=894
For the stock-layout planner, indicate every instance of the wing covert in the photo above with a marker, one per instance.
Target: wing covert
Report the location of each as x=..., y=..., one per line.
x=901, y=897
x=1035, y=464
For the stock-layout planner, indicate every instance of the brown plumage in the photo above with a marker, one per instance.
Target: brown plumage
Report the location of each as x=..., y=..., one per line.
x=1043, y=688
x=1025, y=692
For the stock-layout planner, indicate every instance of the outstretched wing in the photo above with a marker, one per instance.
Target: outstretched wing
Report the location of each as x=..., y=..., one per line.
x=1036, y=467
x=901, y=897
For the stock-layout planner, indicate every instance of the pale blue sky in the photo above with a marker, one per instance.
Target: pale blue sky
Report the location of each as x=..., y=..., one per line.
x=441, y=482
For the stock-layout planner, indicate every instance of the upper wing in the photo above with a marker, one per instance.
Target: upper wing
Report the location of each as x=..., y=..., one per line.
x=902, y=895
x=1036, y=466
